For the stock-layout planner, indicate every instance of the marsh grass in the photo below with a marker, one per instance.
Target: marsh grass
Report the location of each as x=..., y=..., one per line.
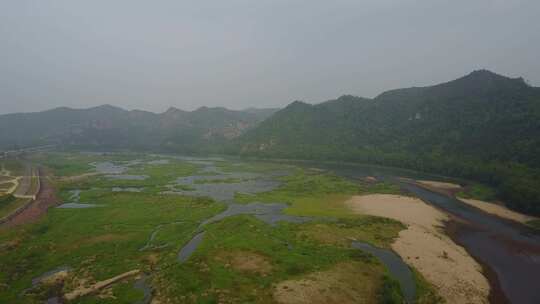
x=207, y=278
x=425, y=291
x=315, y=193
x=99, y=243
x=378, y=231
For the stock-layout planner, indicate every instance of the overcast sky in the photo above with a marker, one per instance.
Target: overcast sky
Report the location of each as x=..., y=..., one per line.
x=253, y=53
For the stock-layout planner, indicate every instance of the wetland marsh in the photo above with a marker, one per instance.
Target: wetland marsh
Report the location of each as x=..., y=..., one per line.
x=204, y=230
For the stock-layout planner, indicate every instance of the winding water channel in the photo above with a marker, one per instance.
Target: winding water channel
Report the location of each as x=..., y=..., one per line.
x=509, y=252
x=398, y=269
x=214, y=186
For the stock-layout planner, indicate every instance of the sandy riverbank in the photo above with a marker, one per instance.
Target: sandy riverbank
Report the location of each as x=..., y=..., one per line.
x=440, y=185
x=498, y=210
x=491, y=208
x=423, y=245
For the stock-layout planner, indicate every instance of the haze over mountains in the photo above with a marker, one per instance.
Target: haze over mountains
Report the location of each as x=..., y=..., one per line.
x=482, y=126
x=108, y=127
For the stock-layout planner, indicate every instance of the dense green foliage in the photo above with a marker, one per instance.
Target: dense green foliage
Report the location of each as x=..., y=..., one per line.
x=391, y=292
x=479, y=192
x=483, y=126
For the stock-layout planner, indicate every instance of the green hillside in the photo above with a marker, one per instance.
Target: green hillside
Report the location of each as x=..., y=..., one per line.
x=482, y=126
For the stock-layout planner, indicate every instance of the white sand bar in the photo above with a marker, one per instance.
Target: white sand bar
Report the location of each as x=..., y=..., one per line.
x=498, y=210
x=423, y=245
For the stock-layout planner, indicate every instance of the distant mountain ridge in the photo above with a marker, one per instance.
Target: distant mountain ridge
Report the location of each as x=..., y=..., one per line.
x=110, y=127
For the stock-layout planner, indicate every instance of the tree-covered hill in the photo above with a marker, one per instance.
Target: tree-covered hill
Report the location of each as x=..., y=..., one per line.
x=482, y=126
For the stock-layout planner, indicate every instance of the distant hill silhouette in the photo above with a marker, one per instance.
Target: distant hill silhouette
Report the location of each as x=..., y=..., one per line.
x=109, y=127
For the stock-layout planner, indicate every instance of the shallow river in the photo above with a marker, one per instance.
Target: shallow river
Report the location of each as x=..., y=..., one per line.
x=510, y=252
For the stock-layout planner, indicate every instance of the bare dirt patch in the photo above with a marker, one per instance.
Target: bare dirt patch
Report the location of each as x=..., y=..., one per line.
x=456, y=275
x=246, y=261
x=45, y=199
x=344, y=283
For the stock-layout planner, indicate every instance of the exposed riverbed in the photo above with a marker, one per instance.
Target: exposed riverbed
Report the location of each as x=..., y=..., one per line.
x=509, y=252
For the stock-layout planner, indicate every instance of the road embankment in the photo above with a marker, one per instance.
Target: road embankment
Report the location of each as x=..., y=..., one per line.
x=44, y=199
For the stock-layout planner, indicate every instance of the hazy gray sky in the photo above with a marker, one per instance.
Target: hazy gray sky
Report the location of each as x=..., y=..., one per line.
x=155, y=54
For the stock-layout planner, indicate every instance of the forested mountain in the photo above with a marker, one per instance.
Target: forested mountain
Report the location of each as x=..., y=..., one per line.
x=483, y=126
x=108, y=127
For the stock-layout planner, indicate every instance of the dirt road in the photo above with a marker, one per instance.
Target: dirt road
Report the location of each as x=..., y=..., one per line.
x=45, y=199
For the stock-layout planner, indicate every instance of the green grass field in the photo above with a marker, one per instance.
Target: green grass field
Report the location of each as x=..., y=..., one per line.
x=240, y=259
